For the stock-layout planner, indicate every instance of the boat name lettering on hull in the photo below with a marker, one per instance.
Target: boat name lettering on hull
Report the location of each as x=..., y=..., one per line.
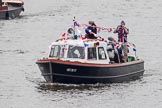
x=71, y=70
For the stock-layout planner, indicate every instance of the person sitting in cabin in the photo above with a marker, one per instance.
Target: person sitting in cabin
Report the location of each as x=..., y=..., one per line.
x=91, y=30
x=122, y=32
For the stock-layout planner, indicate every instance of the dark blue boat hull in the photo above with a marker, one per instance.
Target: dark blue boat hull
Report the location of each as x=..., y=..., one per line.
x=11, y=13
x=78, y=73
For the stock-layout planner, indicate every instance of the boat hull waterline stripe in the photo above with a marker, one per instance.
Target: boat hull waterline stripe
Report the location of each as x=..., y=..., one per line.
x=94, y=76
x=92, y=65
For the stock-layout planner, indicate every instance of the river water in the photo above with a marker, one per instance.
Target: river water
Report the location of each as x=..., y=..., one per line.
x=25, y=39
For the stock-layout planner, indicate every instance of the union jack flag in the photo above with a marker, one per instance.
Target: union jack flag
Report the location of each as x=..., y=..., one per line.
x=76, y=24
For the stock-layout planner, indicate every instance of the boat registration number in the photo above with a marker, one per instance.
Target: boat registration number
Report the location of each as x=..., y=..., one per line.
x=71, y=70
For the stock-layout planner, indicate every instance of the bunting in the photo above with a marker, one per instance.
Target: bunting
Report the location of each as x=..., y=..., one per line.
x=99, y=29
x=77, y=26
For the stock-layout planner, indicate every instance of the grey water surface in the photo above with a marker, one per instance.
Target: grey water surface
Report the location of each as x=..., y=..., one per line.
x=23, y=40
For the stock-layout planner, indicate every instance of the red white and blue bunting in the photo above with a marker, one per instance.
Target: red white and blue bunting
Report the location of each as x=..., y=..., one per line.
x=79, y=26
x=99, y=28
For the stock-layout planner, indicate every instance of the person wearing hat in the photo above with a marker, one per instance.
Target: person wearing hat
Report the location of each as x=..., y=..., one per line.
x=122, y=32
x=91, y=30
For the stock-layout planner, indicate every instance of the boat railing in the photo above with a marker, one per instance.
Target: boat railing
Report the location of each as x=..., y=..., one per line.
x=91, y=40
x=65, y=38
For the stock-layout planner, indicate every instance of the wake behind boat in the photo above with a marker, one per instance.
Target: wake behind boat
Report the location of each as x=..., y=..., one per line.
x=76, y=59
x=10, y=9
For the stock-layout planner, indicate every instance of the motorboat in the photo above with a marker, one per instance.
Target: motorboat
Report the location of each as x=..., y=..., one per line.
x=10, y=9
x=78, y=60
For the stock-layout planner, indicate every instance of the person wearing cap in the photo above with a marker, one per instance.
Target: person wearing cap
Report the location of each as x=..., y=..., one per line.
x=91, y=30
x=122, y=32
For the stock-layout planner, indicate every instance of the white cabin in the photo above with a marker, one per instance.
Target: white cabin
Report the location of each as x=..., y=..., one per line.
x=85, y=51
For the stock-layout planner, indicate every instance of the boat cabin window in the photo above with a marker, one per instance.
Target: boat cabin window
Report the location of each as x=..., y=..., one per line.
x=92, y=53
x=76, y=52
x=55, y=51
x=62, y=52
x=101, y=53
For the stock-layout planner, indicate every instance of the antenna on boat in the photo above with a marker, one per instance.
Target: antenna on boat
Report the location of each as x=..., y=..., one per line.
x=74, y=24
x=77, y=32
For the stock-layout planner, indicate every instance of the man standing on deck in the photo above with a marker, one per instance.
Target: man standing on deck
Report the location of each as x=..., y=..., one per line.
x=91, y=30
x=122, y=32
x=122, y=37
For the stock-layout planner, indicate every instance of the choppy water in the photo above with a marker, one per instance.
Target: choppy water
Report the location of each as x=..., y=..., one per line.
x=24, y=40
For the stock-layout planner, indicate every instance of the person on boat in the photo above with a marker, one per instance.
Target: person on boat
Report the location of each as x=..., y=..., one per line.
x=91, y=30
x=122, y=32
x=112, y=50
